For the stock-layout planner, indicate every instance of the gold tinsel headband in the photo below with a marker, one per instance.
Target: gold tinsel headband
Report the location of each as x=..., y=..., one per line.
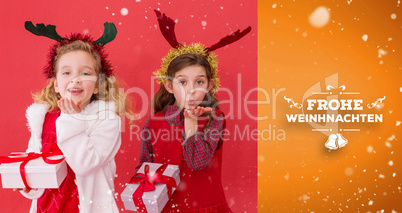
x=166, y=25
x=197, y=49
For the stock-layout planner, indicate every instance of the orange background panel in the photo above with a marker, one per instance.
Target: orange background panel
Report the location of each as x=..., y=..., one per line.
x=296, y=173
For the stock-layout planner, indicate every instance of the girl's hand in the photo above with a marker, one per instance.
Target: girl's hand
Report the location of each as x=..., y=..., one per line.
x=24, y=189
x=69, y=106
x=196, y=112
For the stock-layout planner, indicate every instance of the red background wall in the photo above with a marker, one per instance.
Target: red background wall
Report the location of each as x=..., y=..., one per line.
x=135, y=53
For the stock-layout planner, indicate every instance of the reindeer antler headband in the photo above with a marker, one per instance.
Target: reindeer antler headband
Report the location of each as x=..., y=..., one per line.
x=166, y=26
x=109, y=34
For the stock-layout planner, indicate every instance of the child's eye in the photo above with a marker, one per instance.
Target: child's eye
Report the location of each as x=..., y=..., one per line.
x=200, y=82
x=66, y=73
x=85, y=73
x=182, y=82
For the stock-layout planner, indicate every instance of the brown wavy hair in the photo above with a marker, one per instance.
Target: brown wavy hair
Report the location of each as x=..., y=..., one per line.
x=109, y=89
x=163, y=98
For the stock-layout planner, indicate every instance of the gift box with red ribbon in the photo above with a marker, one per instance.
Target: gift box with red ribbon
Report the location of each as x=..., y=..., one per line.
x=151, y=187
x=33, y=170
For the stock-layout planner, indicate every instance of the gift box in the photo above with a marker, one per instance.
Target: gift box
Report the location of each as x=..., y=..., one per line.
x=156, y=199
x=38, y=173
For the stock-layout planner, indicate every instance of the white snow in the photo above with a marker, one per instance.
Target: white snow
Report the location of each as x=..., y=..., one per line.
x=286, y=176
x=364, y=37
x=320, y=17
x=388, y=144
x=370, y=149
x=381, y=52
x=391, y=138
x=348, y=171
x=124, y=11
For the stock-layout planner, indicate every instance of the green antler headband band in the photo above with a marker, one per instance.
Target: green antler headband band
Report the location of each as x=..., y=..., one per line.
x=49, y=31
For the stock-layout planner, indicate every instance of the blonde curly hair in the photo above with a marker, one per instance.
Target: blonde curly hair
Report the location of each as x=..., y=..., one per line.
x=109, y=89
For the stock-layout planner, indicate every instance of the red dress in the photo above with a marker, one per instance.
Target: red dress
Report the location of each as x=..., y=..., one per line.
x=199, y=191
x=65, y=198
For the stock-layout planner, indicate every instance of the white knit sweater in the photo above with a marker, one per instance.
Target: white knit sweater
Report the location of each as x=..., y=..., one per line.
x=89, y=140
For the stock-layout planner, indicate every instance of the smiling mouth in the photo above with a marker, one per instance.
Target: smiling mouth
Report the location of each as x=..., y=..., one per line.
x=74, y=91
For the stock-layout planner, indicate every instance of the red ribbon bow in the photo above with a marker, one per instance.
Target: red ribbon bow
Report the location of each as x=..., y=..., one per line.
x=26, y=157
x=147, y=183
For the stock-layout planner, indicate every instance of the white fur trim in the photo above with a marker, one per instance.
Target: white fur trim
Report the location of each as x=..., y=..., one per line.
x=35, y=115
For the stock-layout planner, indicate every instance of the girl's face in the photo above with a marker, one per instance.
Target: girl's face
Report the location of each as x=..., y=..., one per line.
x=76, y=77
x=189, y=86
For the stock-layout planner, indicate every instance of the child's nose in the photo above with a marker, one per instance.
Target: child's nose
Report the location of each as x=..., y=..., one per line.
x=76, y=80
x=190, y=89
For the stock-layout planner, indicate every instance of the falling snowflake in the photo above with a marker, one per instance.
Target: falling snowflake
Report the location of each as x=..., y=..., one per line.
x=348, y=171
x=124, y=11
x=391, y=138
x=370, y=149
x=286, y=176
x=320, y=17
x=388, y=144
x=304, y=197
x=364, y=37
x=381, y=52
